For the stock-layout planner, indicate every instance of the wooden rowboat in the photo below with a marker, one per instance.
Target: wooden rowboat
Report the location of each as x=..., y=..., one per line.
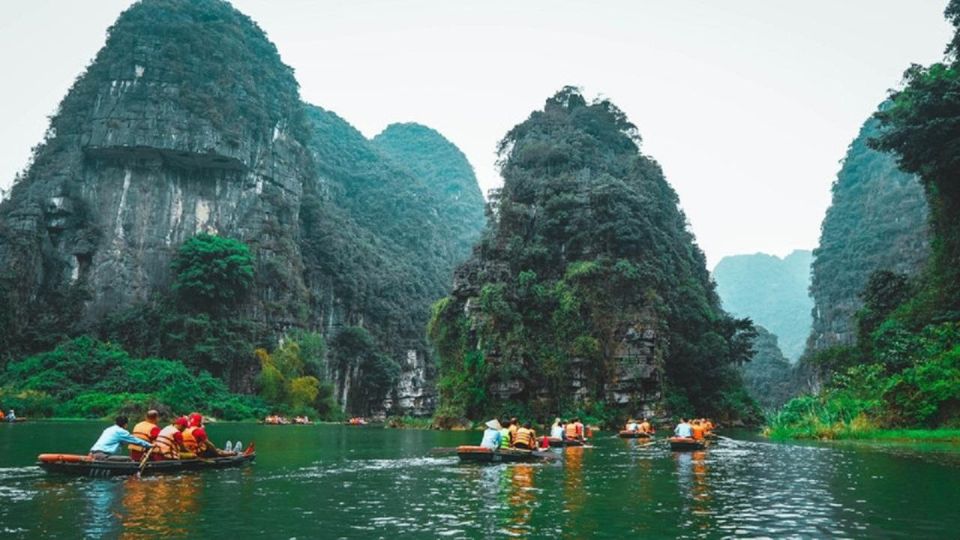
x=635, y=435
x=558, y=443
x=479, y=454
x=686, y=444
x=78, y=465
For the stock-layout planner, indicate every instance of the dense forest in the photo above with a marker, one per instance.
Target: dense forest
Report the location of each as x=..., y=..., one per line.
x=587, y=292
x=903, y=369
x=772, y=292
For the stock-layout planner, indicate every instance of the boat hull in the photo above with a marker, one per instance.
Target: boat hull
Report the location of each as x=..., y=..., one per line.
x=479, y=454
x=635, y=435
x=682, y=444
x=558, y=443
x=71, y=465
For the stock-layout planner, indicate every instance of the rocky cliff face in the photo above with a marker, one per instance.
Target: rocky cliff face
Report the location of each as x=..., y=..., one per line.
x=877, y=220
x=587, y=291
x=153, y=145
x=187, y=121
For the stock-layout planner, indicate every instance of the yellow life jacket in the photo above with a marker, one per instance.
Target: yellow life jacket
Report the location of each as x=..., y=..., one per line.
x=142, y=431
x=167, y=442
x=525, y=436
x=571, y=431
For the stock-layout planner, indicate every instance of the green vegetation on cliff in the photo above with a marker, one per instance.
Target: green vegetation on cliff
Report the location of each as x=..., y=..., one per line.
x=772, y=292
x=768, y=376
x=904, y=368
x=877, y=220
x=587, y=291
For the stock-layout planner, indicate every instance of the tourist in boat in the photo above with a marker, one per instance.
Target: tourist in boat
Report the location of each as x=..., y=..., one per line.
x=514, y=426
x=683, y=429
x=146, y=430
x=696, y=430
x=112, y=438
x=525, y=438
x=11, y=416
x=708, y=426
x=574, y=430
x=194, y=422
x=491, y=435
x=645, y=427
x=632, y=426
x=206, y=448
x=505, y=438
x=170, y=439
x=556, y=430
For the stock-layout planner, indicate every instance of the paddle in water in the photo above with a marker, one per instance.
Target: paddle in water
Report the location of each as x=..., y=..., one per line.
x=143, y=460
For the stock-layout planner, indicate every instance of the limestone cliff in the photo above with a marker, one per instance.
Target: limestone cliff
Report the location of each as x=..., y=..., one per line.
x=877, y=220
x=187, y=121
x=586, y=291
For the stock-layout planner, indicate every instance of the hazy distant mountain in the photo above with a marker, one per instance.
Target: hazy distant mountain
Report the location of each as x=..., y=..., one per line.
x=771, y=291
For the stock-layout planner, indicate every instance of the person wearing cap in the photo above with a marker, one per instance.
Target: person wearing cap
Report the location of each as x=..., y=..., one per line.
x=492, y=436
x=170, y=439
x=147, y=430
x=194, y=422
x=112, y=438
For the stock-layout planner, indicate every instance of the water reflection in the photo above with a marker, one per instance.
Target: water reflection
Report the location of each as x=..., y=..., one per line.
x=693, y=481
x=574, y=494
x=101, y=495
x=521, y=497
x=159, y=506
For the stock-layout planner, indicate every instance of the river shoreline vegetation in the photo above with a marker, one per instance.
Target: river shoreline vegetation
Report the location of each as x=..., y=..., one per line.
x=903, y=372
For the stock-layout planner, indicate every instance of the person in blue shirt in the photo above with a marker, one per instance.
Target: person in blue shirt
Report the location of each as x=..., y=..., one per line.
x=113, y=438
x=683, y=429
x=492, y=436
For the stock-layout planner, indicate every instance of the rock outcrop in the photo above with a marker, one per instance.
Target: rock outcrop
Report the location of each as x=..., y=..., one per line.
x=187, y=121
x=877, y=220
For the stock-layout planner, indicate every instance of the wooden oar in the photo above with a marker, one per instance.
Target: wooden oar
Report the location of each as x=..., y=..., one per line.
x=143, y=460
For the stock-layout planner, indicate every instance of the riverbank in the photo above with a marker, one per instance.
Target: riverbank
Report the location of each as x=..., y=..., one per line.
x=853, y=433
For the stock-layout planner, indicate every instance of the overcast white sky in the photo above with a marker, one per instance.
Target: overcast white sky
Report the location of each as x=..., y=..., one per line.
x=747, y=104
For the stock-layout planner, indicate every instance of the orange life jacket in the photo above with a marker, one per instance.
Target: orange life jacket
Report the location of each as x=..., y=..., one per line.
x=142, y=431
x=571, y=431
x=526, y=437
x=189, y=442
x=697, y=430
x=167, y=442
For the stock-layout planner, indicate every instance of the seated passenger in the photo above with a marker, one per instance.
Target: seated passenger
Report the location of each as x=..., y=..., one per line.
x=170, y=439
x=645, y=427
x=491, y=435
x=556, y=430
x=525, y=438
x=683, y=429
x=631, y=425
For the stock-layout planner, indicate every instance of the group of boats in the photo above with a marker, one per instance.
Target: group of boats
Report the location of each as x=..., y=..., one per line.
x=480, y=454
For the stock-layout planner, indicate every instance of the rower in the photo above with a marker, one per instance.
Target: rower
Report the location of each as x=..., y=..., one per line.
x=110, y=440
x=683, y=429
x=147, y=430
x=525, y=438
x=491, y=435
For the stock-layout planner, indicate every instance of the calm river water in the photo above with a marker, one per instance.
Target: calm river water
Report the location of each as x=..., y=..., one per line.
x=331, y=481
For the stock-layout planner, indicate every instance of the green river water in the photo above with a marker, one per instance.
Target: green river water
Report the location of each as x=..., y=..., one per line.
x=330, y=481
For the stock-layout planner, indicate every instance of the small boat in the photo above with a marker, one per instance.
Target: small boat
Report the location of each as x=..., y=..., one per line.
x=635, y=435
x=686, y=443
x=559, y=443
x=479, y=454
x=78, y=465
